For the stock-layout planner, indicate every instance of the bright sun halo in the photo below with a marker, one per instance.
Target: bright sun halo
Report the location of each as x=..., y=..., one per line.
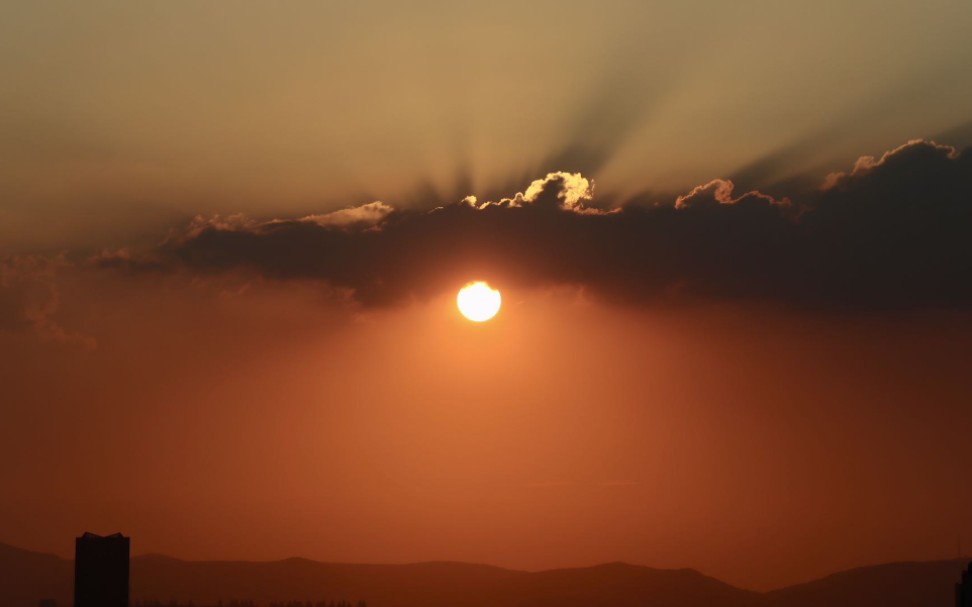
x=478, y=301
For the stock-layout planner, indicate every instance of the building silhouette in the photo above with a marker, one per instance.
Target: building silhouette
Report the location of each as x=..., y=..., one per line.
x=101, y=570
x=963, y=590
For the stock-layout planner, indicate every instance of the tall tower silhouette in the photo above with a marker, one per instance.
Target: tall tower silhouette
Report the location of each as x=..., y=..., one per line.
x=963, y=590
x=101, y=570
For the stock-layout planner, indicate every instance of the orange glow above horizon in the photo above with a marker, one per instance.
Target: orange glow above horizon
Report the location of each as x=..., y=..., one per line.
x=394, y=435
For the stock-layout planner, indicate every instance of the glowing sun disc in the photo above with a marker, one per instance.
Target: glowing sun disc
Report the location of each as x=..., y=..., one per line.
x=478, y=301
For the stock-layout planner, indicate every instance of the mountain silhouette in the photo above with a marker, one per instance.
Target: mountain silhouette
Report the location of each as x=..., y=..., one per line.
x=929, y=583
x=29, y=576
x=32, y=576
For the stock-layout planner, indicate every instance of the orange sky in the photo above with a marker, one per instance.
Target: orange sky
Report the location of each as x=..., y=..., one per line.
x=758, y=446
x=744, y=351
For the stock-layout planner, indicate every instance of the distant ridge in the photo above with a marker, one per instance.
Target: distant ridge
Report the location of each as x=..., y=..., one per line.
x=450, y=584
x=914, y=583
x=28, y=576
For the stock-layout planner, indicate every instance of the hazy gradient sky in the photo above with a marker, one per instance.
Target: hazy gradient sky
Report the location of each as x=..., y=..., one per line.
x=765, y=380
x=116, y=116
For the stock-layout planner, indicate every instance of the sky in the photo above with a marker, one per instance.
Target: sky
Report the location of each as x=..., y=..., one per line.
x=731, y=240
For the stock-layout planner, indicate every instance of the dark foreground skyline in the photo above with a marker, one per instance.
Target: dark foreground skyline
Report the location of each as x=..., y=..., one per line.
x=162, y=579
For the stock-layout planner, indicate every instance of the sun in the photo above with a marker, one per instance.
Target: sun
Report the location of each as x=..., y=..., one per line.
x=478, y=301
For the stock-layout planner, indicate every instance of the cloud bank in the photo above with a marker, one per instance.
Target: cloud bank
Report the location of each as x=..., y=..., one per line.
x=891, y=233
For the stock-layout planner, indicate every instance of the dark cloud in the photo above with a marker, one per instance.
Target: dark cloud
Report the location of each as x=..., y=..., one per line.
x=892, y=233
x=895, y=231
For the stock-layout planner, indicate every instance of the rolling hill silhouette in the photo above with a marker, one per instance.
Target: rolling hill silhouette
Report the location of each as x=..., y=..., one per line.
x=898, y=584
x=32, y=575
x=29, y=576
